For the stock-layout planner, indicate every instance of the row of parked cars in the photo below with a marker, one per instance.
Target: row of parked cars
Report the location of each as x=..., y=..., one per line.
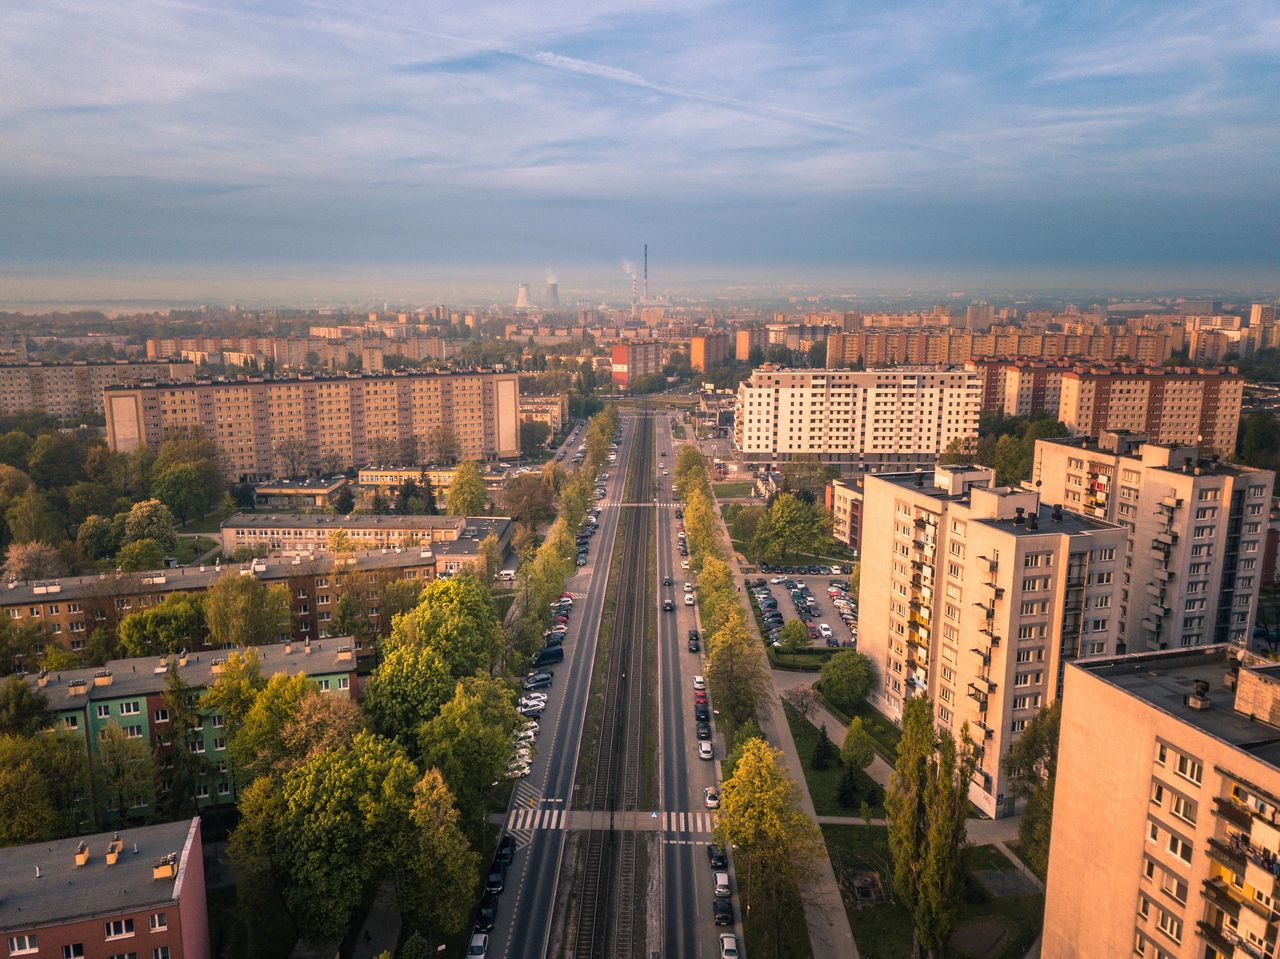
x=487, y=911
x=590, y=526
x=803, y=570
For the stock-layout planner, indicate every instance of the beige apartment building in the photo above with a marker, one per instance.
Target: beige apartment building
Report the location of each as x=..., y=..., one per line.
x=940, y=344
x=553, y=410
x=267, y=429
x=976, y=596
x=744, y=341
x=1196, y=529
x=844, y=503
x=1166, y=834
x=872, y=421
x=70, y=390
x=709, y=349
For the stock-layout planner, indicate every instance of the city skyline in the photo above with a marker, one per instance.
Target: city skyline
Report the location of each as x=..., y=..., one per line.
x=305, y=149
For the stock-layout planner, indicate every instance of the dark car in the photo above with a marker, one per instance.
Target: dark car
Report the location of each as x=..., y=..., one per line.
x=703, y=730
x=693, y=635
x=716, y=856
x=666, y=581
x=695, y=646
x=486, y=912
x=759, y=582
x=506, y=849
x=701, y=713
x=668, y=606
x=724, y=912
x=679, y=514
x=496, y=880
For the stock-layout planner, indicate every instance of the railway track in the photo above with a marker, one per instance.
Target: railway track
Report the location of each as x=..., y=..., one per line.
x=608, y=885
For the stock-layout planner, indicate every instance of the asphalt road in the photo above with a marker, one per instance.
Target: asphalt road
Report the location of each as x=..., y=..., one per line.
x=540, y=802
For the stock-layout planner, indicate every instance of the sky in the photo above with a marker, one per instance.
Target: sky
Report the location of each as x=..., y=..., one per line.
x=309, y=148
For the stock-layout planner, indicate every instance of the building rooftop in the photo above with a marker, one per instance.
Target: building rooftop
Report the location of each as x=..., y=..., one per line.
x=1167, y=681
x=310, y=485
x=64, y=891
x=325, y=521
x=318, y=377
x=123, y=678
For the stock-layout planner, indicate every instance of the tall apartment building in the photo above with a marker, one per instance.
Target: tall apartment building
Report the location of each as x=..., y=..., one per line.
x=1166, y=817
x=1196, y=531
x=877, y=420
x=634, y=360
x=976, y=595
x=1027, y=388
x=552, y=410
x=136, y=893
x=844, y=503
x=129, y=693
x=881, y=346
x=744, y=341
x=707, y=350
x=266, y=428
x=69, y=390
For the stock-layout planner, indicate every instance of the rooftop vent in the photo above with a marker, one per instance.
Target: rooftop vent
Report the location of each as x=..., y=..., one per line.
x=82, y=853
x=166, y=867
x=114, y=848
x=1199, y=698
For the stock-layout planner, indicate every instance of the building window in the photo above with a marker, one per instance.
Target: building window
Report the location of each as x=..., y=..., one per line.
x=1184, y=809
x=20, y=945
x=129, y=709
x=159, y=921
x=74, y=950
x=104, y=710
x=202, y=791
x=344, y=682
x=324, y=685
x=1170, y=925
x=123, y=955
x=1180, y=847
x=71, y=722
x=1191, y=769
x=117, y=928
x=133, y=732
x=160, y=952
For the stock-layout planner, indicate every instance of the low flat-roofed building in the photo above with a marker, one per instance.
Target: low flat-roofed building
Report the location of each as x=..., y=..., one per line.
x=1166, y=816
x=140, y=892
x=300, y=493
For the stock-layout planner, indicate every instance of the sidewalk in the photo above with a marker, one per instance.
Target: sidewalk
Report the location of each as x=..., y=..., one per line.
x=381, y=929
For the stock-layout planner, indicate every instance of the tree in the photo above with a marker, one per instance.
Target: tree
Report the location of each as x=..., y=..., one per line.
x=790, y=526
x=379, y=505
x=529, y=500
x=824, y=750
x=256, y=747
x=96, y=538
x=405, y=495
x=802, y=699
x=30, y=517
x=442, y=446
x=806, y=473
x=122, y=770
x=43, y=782
x=793, y=635
x=179, y=489
x=735, y=671
x=344, y=502
x=533, y=438
x=345, y=814
x=926, y=804
x=846, y=678
x=466, y=495
x=23, y=711
x=292, y=453
x=241, y=611
x=441, y=868
x=139, y=555
x=858, y=751
x=775, y=843
x=1032, y=766
x=175, y=623
x=488, y=556
x=319, y=724
x=469, y=741
x=20, y=644
x=179, y=768
x=151, y=520
x=32, y=560
x=56, y=460
x=407, y=688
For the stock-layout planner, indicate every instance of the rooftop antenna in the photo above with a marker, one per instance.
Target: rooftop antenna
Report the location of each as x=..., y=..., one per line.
x=646, y=273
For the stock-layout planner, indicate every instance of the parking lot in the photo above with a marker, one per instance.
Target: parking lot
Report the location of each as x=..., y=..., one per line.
x=822, y=611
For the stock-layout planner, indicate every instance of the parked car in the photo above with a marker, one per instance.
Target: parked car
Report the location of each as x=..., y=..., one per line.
x=486, y=912
x=711, y=797
x=723, y=911
x=688, y=599
x=703, y=730
x=716, y=856
x=728, y=946
x=705, y=751
x=497, y=877
x=699, y=682
x=478, y=948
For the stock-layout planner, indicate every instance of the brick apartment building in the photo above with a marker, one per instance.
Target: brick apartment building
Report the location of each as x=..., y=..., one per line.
x=139, y=893
x=266, y=429
x=709, y=349
x=633, y=360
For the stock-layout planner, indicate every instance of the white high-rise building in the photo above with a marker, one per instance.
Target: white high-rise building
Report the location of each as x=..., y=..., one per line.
x=875, y=421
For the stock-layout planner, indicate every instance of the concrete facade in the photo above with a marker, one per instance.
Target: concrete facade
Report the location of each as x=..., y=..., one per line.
x=69, y=390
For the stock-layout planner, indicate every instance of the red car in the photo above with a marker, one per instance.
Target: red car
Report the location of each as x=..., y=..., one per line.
x=560, y=619
x=699, y=696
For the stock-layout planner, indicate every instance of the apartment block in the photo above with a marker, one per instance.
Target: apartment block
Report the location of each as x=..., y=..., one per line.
x=267, y=428
x=707, y=350
x=451, y=540
x=635, y=359
x=1029, y=388
x=1196, y=532
x=551, y=410
x=940, y=344
x=70, y=390
x=129, y=693
x=844, y=503
x=744, y=341
x=70, y=608
x=878, y=420
x=1166, y=832
x=139, y=893
x=976, y=596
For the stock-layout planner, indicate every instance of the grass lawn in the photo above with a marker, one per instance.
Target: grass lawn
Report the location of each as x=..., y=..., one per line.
x=790, y=938
x=802, y=660
x=190, y=547
x=882, y=732
x=823, y=783
x=677, y=430
x=732, y=489
x=883, y=931
x=1016, y=849
x=210, y=524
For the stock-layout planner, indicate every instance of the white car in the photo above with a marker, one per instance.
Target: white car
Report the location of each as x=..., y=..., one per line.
x=524, y=736
x=699, y=682
x=684, y=564
x=778, y=579
x=824, y=631
x=711, y=797
x=478, y=948
x=728, y=946
x=704, y=750
x=688, y=599
x=688, y=587
x=518, y=770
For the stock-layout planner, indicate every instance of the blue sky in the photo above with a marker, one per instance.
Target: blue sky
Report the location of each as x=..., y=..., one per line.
x=991, y=140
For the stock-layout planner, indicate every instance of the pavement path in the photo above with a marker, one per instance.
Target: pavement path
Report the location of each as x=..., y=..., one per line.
x=381, y=928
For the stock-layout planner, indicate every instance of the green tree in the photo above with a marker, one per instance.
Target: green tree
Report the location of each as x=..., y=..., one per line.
x=23, y=711
x=179, y=488
x=858, y=751
x=344, y=502
x=529, y=500
x=735, y=671
x=469, y=741
x=466, y=495
x=179, y=770
x=96, y=538
x=791, y=526
x=32, y=560
x=793, y=635
x=533, y=438
x=1260, y=440
x=242, y=611
x=43, y=784
x=775, y=844
x=807, y=474
x=56, y=460
x=926, y=804
x=846, y=678
x=407, y=688
x=175, y=623
x=152, y=520
x=122, y=770
x=30, y=518
x=1032, y=766
x=824, y=750
x=441, y=869
x=140, y=555
x=256, y=747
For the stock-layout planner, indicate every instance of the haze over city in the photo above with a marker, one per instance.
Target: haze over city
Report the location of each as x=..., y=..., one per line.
x=299, y=151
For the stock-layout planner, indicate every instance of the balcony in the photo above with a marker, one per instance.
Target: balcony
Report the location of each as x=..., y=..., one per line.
x=999, y=590
x=1228, y=855
x=1215, y=937
x=1166, y=538
x=978, y=695
x=1232, y=812
x=1218, y=892
x=987, y=731
x=991, y=636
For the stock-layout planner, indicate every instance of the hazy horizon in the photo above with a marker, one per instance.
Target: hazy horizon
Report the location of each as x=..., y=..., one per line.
x=304, y=152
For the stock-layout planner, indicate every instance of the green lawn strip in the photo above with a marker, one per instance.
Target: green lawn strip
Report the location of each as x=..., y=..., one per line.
x=773, y=930
x=211, y=523
x=883, y=930
x=190, y=548
x=823, y=783
x=732, y=489
x=882, y=732
x=987, y=857
x=1016, y=849
x=804, y=660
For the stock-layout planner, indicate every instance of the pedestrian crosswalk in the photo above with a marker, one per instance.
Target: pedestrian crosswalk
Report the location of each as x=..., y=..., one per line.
x=691, y=822
x=530, y=814
x=541, y=817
